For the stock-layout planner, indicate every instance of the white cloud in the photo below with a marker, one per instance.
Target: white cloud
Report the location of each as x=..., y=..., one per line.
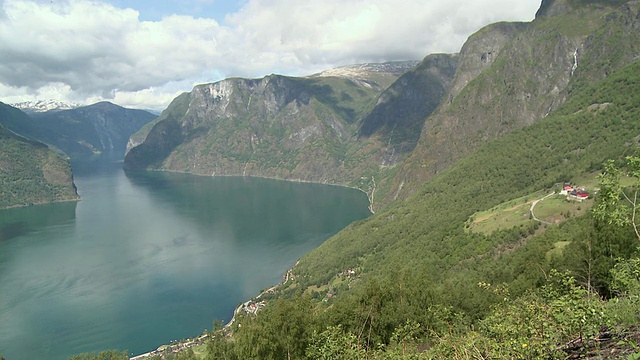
x=89, y=50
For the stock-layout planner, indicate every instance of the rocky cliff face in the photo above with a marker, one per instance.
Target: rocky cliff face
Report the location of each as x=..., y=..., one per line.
x=512, y=75
x=479, y=53
x=561, y=7
x=345, y=126
x=290, y=128
x=294, y=128
x=403, y=107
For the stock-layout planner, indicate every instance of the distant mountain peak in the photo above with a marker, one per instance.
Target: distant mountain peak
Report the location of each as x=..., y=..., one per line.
x=39, y=106
x=357, y=70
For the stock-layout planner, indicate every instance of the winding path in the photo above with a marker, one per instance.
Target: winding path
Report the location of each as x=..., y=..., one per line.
x=533, y=205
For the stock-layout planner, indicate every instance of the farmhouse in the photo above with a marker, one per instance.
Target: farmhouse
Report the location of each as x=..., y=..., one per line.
x=574, y=192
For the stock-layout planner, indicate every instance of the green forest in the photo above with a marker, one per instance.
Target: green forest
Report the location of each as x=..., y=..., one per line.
x=30, y=173
x=411, y=283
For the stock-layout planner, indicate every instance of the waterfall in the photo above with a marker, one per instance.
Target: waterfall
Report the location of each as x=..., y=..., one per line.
x=575, y=62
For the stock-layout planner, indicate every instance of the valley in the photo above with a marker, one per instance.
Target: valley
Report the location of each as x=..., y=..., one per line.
x=503, y=182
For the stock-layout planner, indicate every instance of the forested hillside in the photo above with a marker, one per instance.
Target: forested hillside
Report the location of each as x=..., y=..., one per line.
x=423, y=283
x=531, y=107
x=411, y=282
x=512, y=75
x=30, y=173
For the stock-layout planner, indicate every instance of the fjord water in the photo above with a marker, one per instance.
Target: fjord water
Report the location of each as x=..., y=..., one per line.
x=147, y=257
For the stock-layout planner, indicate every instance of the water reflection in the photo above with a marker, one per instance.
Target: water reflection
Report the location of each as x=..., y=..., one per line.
x=252, y=206
x=147, y=257
x=22, y=221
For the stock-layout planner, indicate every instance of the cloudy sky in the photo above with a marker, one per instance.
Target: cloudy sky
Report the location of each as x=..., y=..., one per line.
x=142, y=53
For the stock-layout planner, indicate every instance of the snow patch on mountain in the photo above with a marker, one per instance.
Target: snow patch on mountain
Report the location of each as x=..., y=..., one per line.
x=39, y=106
x=355, y=71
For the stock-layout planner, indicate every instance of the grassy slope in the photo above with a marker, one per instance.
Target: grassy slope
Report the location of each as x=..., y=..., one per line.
x=552, y=207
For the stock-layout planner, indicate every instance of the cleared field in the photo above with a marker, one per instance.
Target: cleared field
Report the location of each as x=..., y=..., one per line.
x=557, y=249
x=552, y=210
x=514, y=213
x=557, y=208
x=504, y=216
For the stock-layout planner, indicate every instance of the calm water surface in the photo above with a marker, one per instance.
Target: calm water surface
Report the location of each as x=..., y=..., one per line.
x=146, y=258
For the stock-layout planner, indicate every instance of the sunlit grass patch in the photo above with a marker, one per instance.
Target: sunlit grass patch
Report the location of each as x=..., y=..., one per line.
x=504, y=216
x=556, y=209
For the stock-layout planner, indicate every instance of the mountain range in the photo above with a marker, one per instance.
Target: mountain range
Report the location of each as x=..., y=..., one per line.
x=36, y=174
x=84, y=131
x=349, y=127
x=303, y=128
x=438, y=147
x=522, y=108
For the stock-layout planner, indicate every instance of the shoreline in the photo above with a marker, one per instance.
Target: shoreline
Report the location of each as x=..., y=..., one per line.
x=369, y=197
x=78, y=199
x=286, y=277
x=199, y=340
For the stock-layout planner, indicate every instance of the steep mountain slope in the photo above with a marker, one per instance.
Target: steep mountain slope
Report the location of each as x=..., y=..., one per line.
x=98, y=128
x=515, y=128
x=415, y=267
x=403, y=107
x=84, y=131
x=427, y=228
x=248, y=127
x=30, y=173
x=368, y=75
x=520, y=119
x=507, y=76
x=281, y=127
x=411, y=282
x=512, y=75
